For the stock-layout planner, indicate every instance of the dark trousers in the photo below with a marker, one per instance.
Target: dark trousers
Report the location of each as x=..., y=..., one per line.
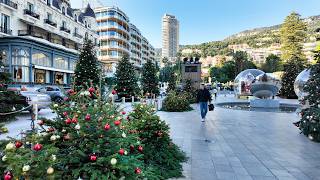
x=203, y=109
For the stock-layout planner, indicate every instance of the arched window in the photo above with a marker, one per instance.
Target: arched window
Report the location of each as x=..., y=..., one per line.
x=75, y=17
x=63, y=11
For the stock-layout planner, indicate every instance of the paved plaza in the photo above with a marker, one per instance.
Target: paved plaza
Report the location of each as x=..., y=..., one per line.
x=244, y=145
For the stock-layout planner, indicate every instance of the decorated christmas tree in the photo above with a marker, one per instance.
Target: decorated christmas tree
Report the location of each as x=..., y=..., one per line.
x=292, y=69
x=126, y=80
x=310, y=121
x=87, y=68
x=149, y=78
x=160, y=152
x=88, y=139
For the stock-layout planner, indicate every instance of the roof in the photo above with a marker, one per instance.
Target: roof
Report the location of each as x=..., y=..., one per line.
x=70, y=11
x=89, y=12
x=56, y=3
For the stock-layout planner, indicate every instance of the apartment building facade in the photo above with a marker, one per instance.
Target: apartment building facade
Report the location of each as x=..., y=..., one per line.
x=118, y=37
x=40, y=39
x=170, y=37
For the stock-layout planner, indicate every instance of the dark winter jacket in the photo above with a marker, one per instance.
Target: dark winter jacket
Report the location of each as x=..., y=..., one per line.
x=203, y=95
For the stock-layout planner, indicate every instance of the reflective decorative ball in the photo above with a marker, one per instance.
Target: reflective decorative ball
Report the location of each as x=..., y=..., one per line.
x=244, y=80
x=300, y=82
x=265, y=86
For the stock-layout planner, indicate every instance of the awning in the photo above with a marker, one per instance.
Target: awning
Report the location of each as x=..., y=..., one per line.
x=53, y=69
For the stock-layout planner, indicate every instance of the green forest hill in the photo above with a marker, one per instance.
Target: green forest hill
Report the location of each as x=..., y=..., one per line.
x=255, y=38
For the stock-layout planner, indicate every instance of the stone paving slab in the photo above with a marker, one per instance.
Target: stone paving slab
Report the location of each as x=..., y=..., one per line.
x=244, y=145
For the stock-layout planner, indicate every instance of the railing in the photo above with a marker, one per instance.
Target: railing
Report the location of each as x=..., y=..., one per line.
x=50, y=22
x=6, y=30
x=31, y=33
x=10, y=3
x=65, y=29
x=77, y=35
x=31, y=13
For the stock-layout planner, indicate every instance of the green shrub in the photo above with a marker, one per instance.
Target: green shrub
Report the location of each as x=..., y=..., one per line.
x=176, y=102
x=160, y=153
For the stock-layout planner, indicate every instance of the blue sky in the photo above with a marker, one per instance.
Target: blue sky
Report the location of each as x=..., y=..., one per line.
x=208, y=20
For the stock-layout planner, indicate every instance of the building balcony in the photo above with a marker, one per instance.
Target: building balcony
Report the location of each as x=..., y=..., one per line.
x=50, y=22
x=6, y=30
x=31, y=13
x=77, y=35
x=65, y=29
x=31, y=33
x=9, y=3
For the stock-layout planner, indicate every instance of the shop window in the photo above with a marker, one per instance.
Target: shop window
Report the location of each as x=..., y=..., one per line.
x=41, y=59
x=60, y=63
x=73, y=64
x=40, y=76
x=20, y=74
x=4, y=57
x=59, y=78
x=20, y=57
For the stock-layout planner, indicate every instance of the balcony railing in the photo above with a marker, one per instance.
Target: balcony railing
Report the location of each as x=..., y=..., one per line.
x=77, y=35
x=5, y=30
x=10, y=3
x=50, y=22
x=31, y=13
x=31, y=33
x=65, y=29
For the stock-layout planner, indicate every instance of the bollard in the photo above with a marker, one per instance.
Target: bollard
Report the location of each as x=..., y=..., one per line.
x=123, y=100
x=113, y=98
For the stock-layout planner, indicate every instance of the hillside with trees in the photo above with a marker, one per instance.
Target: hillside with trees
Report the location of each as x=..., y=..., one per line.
x=255, y=38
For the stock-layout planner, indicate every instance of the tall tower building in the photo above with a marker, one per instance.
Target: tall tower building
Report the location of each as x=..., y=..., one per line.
x=170, y=37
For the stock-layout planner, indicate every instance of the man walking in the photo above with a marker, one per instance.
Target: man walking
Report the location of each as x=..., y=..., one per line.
x=203, y=98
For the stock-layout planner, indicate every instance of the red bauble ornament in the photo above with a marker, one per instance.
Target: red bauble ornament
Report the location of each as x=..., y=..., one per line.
x=107, y=127
x=128, y=118
x=131, y=148
x=88, y=117
x=140, y=148
x=40, y=122
x=37, y=147
x=68, y=121
x=71, y=91
x=93, y=157
x=18, y=144
x=123, y=112
x=114, y=92
x=74, y=120
x=7, y=176
x=121, y=151
x=91, y=89
x=50, y=129
x=65, y=114
x=66, y=99
x=117, y=122
x=137, y=171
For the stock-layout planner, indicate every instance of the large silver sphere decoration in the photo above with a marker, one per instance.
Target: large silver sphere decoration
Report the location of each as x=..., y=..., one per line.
x=265, y=86
x=243, y=81
x=300, y=82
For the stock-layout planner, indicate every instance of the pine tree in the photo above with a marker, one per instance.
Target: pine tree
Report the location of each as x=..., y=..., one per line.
x=150, y=82
x=87, y=140
x=87, y=68
x=292, y=69
x=292, y=34
x=172, y=81
x=9, y=100
x=160, y=152
x=126, y=80
x=310, y=121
